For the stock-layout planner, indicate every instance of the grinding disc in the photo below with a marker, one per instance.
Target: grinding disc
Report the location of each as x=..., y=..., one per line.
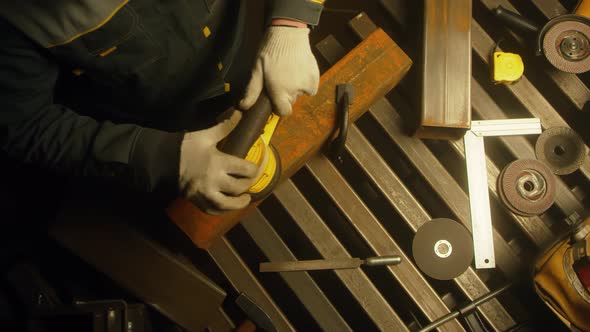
x=566, y=46
x=442, y=249
x=562, y=149
x=526, y=187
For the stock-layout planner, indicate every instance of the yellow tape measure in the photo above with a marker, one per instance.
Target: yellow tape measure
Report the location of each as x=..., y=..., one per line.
x=261, y=154
x=507, y=67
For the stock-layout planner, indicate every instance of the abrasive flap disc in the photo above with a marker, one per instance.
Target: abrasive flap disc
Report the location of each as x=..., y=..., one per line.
x=442, y=249
x=526, y=187
x=566, y=46
x=562, y=149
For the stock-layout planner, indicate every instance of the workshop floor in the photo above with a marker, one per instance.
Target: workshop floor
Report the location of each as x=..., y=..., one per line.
x=304, y=219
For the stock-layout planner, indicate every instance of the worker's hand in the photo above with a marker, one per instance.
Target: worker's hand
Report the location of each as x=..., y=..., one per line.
x=285, y=67
x=214, y=181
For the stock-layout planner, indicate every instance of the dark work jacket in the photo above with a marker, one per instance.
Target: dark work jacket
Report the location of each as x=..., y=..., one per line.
x=101, y=88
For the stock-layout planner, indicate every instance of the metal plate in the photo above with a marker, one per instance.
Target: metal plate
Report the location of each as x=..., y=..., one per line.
x=442, y=249
x=566, y=46
x=527, y=187
x=562, y=149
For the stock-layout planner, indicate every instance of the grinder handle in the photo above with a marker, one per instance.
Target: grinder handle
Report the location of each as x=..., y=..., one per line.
x=515, y=20
x=583, y=8
x=249, y=129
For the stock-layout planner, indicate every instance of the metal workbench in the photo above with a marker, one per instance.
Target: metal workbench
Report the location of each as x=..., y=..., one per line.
x=389, y=184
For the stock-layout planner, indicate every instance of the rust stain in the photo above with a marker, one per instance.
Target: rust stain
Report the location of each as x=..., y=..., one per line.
x=374, y=67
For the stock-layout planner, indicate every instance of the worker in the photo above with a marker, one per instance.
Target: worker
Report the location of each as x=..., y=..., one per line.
x=126, y=90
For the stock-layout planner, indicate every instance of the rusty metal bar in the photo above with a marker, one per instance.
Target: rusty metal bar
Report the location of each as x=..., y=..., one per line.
x=324, y=241
x=535, y=103
x=367, y=225
x=446, y=70
x=243, y=281
x=520, y=147
x=374, y=67
x=571, y=85
x=308, y=292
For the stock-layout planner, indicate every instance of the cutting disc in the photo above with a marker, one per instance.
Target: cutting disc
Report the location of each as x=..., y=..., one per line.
x=566, y=46
x=562, y=149
x=526, y=187
x=442, y=249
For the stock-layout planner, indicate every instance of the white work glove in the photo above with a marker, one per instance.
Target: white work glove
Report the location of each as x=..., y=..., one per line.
x=285, y=67
x=214, y=181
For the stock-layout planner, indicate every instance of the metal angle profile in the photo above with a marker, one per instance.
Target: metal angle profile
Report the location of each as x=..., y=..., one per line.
x=479, y=199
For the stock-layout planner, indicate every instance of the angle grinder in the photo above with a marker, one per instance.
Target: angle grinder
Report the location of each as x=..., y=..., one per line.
x=250, y=140
x=564, y=40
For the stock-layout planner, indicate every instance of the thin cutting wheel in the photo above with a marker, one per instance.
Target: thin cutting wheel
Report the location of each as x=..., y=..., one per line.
x=442, y=249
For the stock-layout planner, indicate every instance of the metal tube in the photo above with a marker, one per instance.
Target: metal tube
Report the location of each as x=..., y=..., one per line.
x=465, y=309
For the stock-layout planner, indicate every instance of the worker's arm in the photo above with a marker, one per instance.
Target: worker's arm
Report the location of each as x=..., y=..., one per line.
x=36, y=130
x=306, y=11
x=286, y=67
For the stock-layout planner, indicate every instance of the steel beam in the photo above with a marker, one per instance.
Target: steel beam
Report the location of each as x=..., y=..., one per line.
x=374, y=67
x=446, y=69
x=326, y=243
x=307, y=291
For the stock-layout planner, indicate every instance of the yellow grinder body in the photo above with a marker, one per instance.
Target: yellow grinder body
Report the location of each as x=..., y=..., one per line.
x=251, y=140
x=265, y=157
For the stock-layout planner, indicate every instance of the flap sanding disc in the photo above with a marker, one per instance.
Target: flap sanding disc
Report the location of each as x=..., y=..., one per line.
x=566, y=46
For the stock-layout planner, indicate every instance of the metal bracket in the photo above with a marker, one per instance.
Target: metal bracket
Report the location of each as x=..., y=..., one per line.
x=477, y=179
